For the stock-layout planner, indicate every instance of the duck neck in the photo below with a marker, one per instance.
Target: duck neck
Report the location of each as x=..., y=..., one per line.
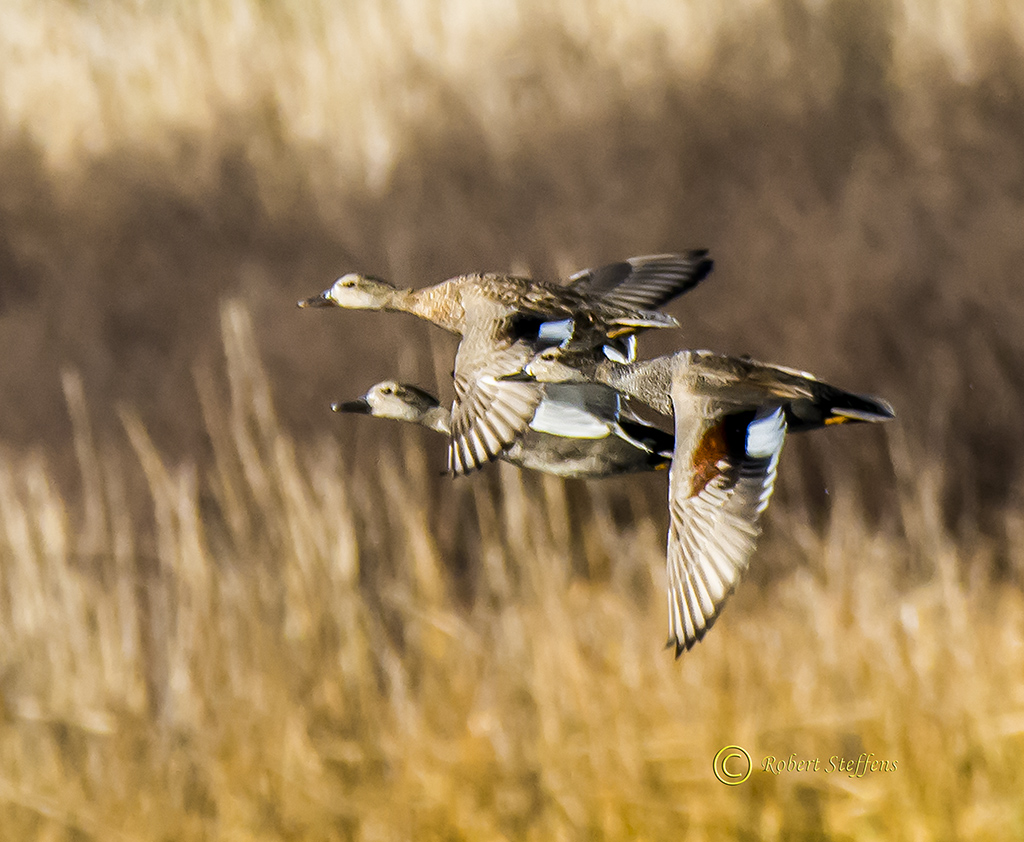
x=649, y=381
x=400, y=300
x=612, y=374
x=438, y=418
x=440, y=304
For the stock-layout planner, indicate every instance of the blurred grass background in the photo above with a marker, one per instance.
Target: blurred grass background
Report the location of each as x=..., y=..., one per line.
x=228, y=614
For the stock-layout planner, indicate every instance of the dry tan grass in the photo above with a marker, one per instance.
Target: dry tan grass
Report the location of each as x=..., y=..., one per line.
x=354, y=77
x=291, y=649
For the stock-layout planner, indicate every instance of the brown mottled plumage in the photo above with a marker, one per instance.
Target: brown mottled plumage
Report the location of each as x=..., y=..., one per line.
x=504, y=320
x=616, y=445
x=731, y=417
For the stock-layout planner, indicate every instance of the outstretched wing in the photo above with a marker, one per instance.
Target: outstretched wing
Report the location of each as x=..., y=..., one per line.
x=645, y=283
x=504, y=328
x=488, y=414
x=717, y=493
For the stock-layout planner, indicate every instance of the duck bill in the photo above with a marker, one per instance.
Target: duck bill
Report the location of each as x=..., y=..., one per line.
x=360, y=406
x=322, y=300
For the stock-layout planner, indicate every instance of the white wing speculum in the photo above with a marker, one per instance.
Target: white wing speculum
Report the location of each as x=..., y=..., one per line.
x=568, y=421
x=622, y=351
x=766, y=434
x=556, y=333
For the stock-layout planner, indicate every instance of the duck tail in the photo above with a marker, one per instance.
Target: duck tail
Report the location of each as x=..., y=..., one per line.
x=831, y=405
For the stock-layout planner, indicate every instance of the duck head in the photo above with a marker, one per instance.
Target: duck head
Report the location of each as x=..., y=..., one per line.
x=548, y=367
x=390, y=399
x=354, y=292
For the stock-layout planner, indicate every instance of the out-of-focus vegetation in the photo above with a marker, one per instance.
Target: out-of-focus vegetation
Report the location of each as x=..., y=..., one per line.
x=227, y=614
